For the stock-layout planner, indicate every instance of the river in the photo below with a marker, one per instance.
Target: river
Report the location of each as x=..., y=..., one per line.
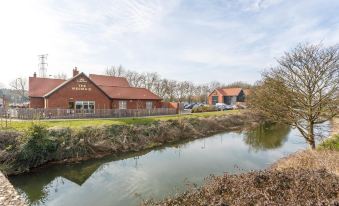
x=127, y=179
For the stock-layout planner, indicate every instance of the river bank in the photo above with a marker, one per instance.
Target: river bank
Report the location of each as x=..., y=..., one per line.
x=308, y=177
x=8, y=195
x=22, y=151
x=283, y=184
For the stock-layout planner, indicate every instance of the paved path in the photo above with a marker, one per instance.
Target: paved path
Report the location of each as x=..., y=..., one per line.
x=8, y=195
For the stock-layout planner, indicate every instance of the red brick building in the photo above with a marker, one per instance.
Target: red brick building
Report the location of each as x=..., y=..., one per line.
x=89, y=92
x=226, y=95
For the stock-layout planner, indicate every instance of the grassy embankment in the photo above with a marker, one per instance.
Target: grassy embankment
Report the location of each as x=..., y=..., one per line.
x=326, y=156
x=77, y=123
x=32, y=145
x=305, y=178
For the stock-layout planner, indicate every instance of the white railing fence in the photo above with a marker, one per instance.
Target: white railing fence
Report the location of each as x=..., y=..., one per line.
x=31, y=114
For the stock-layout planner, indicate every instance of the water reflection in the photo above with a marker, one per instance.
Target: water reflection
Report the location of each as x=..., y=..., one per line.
x=156, y=173
x=33, y=185
x=267, y=136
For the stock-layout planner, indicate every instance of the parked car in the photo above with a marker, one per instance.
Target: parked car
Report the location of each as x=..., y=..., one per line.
x=189, y=106
x=223, y=106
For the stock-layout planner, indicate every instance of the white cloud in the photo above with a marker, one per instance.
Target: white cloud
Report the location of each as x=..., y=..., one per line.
x=179, y=39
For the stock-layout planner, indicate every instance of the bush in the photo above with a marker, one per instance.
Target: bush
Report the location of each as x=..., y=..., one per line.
x=331, y=143
x=37, y=148
x=204, y=108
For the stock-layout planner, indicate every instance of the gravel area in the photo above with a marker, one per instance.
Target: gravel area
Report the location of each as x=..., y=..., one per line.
x=8, y=195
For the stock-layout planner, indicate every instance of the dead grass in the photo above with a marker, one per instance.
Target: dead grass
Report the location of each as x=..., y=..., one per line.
x=335, y=125
x=269, y=187
x=309, y=159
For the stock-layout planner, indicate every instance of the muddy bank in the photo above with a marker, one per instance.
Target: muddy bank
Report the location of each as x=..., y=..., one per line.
x=8, y=195
x=20, y=152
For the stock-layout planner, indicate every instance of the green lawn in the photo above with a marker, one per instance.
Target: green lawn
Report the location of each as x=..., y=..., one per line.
x=22, y=125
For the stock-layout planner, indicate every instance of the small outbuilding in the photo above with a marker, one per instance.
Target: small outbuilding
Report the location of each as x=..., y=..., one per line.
x=228, y=96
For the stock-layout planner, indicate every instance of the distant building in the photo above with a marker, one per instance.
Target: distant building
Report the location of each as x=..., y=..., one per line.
x=226, y=95
x=89, y=93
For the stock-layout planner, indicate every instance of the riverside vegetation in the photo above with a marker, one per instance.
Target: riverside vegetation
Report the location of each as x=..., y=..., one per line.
x=309, y=177
x=20, y=151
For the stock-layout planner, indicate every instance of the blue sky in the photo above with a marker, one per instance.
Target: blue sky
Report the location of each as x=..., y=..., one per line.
x=195, y=40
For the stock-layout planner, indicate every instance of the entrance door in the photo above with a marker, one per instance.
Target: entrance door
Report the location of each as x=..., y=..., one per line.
x=70, y=105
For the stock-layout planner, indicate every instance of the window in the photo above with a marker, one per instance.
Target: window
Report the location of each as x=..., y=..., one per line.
x=214, y=100
x=85, y=106
x=149, y=105
x=122, y=104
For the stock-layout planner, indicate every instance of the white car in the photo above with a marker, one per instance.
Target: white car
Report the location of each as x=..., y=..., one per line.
x=223, y=106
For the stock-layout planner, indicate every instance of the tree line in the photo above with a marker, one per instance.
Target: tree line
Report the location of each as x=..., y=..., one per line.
x=170, y=90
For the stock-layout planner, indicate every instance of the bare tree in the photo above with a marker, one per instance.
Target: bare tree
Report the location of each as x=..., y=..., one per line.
x=191, y=91
x=160, y=88
x=214, y=85
x=168, y=89
x=302, y=91
x=181, y=90
x=116, y=71
x=239, y=84
x=20, y=86
x=149, y=80
x=135, y=79
x=171, y=87
x=60, y=76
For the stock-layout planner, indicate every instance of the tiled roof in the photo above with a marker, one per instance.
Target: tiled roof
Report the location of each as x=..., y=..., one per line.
x=43, y=87
x=229, y=91
x=69, y=80
x=103, y=80
x=38, y=87
x=129, y=93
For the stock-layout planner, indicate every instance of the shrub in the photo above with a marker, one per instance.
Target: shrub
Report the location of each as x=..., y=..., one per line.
x=37, y=149
x=331, y=143
x=204, y=108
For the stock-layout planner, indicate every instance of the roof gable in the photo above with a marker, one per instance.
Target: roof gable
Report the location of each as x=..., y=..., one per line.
x=70, y=80
x=230, y=91
x=37, y=90
x=103, y=80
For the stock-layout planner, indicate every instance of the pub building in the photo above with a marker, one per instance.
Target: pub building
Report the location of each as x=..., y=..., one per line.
x=89, y=93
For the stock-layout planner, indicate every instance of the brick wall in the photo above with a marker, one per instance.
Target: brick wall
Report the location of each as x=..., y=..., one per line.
x=80, y=89
x=136, y=104
x=36, y=102
x=215, y=93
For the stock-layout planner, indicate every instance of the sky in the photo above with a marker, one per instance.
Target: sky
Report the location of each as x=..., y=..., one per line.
x=194, y=40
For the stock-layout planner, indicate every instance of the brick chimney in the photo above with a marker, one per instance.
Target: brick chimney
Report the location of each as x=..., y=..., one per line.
x=34, y=75
x=75, y=71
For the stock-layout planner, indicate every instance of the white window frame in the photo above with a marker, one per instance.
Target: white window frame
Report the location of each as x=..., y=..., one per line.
x=149, y=104
x=122, y=104
x=82, y=104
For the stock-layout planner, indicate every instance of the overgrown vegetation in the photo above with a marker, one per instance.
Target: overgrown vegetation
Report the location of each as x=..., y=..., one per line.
x=269, y=187
x=39, y=145
x=204, y=108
